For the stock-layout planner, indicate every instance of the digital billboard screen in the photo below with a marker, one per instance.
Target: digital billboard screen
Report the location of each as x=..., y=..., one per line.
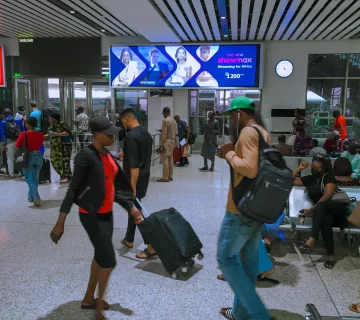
x=2, y=67
x=176, y=66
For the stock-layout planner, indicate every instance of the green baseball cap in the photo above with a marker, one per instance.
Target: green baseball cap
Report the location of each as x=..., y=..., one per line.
x=240, y=103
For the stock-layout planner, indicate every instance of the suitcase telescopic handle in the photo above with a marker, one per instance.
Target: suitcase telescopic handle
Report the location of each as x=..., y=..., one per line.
x=144, y=212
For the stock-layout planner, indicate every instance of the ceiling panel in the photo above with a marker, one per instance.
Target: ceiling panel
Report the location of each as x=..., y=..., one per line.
x=167, y=21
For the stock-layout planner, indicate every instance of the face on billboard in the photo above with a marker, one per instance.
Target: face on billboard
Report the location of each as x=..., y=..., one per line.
x=190, y=66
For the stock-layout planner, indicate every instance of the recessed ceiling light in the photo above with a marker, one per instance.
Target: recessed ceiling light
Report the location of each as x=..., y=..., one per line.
x=223, y=17
x=72, y=11
x=102, y=30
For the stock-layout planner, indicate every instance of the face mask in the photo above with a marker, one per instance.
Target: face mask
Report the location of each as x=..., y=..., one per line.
x=316, y=174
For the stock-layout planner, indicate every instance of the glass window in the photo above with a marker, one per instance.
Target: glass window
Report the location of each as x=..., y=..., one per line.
x=354, y=65
x=353, y=98
x=327, y=65
x=136, y=99
x=101, y=100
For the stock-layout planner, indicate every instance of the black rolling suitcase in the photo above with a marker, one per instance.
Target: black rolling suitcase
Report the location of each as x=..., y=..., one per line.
x=173, y=239
x=45, y=172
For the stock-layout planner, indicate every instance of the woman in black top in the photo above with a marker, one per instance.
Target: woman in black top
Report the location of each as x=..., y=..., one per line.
x=320, y=187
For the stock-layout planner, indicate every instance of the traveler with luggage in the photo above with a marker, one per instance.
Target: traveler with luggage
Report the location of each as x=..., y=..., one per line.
x=97, y=183
x=183, y=133
x=10, y=130
x=240, y=235
x=326, y=211
x=59, y=134
x=137, y=162
x=167, y=145
x=32, y=140
x=82, y=124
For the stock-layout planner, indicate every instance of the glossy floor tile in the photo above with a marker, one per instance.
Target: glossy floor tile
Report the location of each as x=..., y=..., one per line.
x=41, y=280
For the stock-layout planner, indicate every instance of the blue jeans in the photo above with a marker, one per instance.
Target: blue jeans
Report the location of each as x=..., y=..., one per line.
x=31, y=174
x=237, y=257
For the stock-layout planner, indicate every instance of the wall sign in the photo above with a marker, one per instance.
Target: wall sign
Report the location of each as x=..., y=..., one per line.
x=2, y=67
x=176, y=66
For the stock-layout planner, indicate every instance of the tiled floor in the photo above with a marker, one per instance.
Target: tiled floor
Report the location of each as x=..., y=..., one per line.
x=41, y=280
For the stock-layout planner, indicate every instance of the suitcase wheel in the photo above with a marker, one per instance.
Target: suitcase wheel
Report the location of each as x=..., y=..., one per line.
x=174, y=275
x=200, y=256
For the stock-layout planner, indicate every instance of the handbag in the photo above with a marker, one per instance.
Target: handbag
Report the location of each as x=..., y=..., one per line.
x=339, y=195
x=354, y=217
x=187, y=151
x=22, y=159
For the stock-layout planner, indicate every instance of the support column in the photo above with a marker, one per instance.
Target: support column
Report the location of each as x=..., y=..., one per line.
x=63, y=100
x=89, y=108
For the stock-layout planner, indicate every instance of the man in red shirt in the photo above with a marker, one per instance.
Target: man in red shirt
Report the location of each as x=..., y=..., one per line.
x=340, y=124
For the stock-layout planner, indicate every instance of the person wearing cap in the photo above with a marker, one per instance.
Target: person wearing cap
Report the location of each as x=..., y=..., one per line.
x=36, y=113
x=212, y=129
x=97, y=183
x=59, y=134
x=240, y=236
x=167, y=143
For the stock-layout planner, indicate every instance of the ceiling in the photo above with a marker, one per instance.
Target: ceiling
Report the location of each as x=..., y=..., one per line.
x=183, y=20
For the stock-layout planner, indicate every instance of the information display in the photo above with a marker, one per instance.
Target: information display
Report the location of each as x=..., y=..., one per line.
x=174, y=66
x=2, y=67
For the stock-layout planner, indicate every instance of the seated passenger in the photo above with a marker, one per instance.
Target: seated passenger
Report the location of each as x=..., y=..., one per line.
x=352, y=155
x=301, y=143
x=315, y=149
x=343, y=173
x=333, y=144
x=320, y=187
x=284, y=148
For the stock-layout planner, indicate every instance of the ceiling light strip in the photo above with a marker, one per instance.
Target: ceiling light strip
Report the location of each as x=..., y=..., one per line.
x=279, y=13
x=190, y=15
x=175, y=8
x=270, y=4
x=222, y=13
x=245, y=10
x=324, y=13
x=255, y=19
x=172, y=20
x=234, y=17
x=289, y=15
x=213, y=20
x=314, y=13
x=301, y=14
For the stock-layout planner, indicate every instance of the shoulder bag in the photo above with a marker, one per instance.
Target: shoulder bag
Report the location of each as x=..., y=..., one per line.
x=22, y=159
x=339, y=195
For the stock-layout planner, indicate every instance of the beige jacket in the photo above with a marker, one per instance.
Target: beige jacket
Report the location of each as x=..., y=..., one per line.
x=245, y=159
x=168, y=135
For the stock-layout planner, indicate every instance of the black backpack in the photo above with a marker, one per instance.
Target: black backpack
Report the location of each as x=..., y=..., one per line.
x=13, y=129
x=192, y=137
x=263, y=198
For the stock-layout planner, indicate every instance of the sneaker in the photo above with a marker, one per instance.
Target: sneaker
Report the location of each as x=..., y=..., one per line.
x=204, y=169
x=211, y=169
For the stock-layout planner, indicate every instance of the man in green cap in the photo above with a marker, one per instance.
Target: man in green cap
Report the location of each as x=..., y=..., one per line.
x=240, y=236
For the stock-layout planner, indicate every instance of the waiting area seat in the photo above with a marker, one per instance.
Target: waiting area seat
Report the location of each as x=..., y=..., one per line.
x=299, y=200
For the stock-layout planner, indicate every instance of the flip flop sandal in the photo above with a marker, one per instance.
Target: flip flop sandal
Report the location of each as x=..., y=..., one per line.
x=147, y=254
x=329, y=264
x=124, y=242
x=355, y=307
x=227, y=313
x=93, y=306
x=273, y=281
x=220, y=277
x=306, y=248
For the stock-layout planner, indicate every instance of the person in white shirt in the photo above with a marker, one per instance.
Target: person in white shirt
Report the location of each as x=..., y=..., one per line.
x=82, y=123
x=20, y=115
x=315, y=149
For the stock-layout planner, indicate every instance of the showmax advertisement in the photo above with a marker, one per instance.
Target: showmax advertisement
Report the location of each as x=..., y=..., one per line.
x=2, y=67
x=175, y=66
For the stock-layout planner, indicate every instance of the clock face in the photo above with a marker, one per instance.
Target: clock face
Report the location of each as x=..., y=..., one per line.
x=284, y=68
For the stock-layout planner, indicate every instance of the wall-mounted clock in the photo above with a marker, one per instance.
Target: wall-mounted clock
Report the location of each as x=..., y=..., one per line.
x=284, y=68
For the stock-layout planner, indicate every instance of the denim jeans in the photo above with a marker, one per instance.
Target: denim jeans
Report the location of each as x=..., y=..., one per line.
x=31, y=174
x=237, y=256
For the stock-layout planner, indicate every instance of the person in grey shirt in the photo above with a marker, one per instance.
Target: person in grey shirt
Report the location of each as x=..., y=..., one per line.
x=315, y=149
